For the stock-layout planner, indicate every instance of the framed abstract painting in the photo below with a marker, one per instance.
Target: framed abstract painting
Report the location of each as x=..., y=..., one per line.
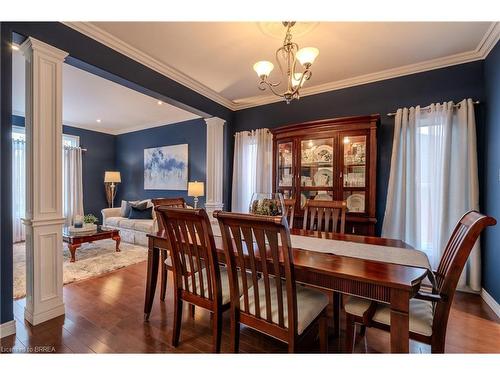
x=166, y=168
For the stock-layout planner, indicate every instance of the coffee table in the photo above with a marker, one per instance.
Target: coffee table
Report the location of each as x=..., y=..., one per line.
x=75, y=240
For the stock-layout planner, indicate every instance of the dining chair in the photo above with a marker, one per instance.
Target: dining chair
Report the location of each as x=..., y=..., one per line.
x=166, y=263
x=266, y=298
x=192, y=247
x=289, y=211
x=429, y=312
x=319, y=213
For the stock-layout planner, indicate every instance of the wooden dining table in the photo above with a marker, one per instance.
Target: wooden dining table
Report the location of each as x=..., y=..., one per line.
x=390, y=283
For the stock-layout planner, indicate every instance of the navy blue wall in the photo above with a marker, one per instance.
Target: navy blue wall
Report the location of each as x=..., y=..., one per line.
x=130, y=157
x=452, y=83
x=100, y=157
x=491, y=240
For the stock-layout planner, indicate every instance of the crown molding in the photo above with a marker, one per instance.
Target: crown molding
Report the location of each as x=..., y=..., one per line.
x=126, y=49
x=482, y=50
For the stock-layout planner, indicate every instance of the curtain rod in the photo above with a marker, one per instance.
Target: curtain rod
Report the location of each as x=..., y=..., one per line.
x=83, y=149
x=23, y=141
x=392, y=114
x=249, y=131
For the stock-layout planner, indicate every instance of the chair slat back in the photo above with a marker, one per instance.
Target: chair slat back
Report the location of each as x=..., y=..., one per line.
x=192, y=248
x=260, y=245
x=166, y=202
x=325, y=216
x=453, y=261
x=290, y=211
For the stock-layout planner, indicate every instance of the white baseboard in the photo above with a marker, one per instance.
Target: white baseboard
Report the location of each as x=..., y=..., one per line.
x=490, y=301
x=7, y=329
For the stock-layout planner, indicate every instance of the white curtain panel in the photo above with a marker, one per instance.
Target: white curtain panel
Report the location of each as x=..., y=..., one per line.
x=252, y=166
x=18, y=189
x=72, y=183
x=433, y=180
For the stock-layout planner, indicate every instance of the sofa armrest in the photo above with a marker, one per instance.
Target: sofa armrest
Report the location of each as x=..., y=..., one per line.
x=109, y=212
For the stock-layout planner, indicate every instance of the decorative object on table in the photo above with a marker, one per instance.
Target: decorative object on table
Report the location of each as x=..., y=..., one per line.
x=287, y=57
x=111, y=178
x=267, y=204
x=78, y=221
x=166, y=168
x=356, y=203
x=90, y=219
x=196, y=189
x=84, y=229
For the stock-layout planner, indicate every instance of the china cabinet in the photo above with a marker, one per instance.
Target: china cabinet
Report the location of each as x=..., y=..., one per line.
x=331, y=159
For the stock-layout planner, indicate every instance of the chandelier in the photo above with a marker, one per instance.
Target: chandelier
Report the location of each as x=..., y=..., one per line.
x=287, y=57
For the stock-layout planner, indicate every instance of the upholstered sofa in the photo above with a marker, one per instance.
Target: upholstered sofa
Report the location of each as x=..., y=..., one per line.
x=131, y=230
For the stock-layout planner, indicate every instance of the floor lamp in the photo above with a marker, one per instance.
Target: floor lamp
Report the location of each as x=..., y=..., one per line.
x=111, y=178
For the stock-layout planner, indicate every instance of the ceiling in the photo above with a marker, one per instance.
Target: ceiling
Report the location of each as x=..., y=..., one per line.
x=216, y=58
x=87, y=98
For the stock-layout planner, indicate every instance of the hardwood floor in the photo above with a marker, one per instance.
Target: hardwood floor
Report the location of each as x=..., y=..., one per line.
x=105, y=315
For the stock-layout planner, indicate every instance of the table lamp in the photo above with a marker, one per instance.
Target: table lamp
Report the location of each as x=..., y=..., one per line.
x=196, y=189
x=111, y=178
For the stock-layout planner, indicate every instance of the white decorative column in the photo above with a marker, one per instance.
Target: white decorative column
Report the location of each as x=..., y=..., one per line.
x=44, y=216
x=215, y=164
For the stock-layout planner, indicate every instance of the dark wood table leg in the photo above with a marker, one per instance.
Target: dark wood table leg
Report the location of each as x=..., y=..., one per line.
x=336, y=313
x=72, y=249
x=152, y=278
x=118, y=240
x=400, y=324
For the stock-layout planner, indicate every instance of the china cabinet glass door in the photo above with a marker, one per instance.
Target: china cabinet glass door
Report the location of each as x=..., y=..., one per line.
x=354, y=181
x=316, y=169
x=285, y=169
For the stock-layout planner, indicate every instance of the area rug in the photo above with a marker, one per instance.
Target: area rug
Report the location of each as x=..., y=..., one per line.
x=92, y=259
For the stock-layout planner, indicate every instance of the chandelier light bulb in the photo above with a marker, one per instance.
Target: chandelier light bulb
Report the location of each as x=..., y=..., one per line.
x=263, y=68
x=307, y=55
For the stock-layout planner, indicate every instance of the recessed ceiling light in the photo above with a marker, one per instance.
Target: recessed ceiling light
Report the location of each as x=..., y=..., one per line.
x=14, y=47
x=98, y=120
x=159, y=102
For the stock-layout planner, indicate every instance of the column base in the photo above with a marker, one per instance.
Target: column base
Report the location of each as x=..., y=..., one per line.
x=7, y=329
x=43, y=316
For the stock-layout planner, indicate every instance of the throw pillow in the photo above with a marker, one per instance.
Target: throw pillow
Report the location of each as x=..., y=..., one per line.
x=140, y=212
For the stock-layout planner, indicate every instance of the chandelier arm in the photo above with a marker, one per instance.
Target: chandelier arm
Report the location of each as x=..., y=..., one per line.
x=280, y=66
x=306, y=75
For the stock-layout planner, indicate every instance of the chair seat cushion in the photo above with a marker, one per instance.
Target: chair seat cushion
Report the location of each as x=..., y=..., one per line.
x=113, y=221
x=310, y=303
x=224, y=280
x=169, y=264
x=421, y=313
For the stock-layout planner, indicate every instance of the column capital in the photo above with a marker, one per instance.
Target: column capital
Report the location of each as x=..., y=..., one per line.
x=214, y=121
x=31, y=44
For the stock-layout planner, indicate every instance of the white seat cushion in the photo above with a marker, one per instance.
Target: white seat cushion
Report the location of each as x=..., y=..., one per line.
x=224, y=280
x=168, y=262
x=144, y=225
x=127, y=223
x=421, y=313
x=114, y=221
x=310, y=303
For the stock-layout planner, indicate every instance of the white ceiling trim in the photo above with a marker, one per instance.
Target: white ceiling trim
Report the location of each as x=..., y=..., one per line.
x=126, y=49
x=484, y=47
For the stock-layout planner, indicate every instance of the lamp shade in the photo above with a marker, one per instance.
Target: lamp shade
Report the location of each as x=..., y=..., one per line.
x=196, y=189
x=263, y=68
x=112, y=176
x=307, y=55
